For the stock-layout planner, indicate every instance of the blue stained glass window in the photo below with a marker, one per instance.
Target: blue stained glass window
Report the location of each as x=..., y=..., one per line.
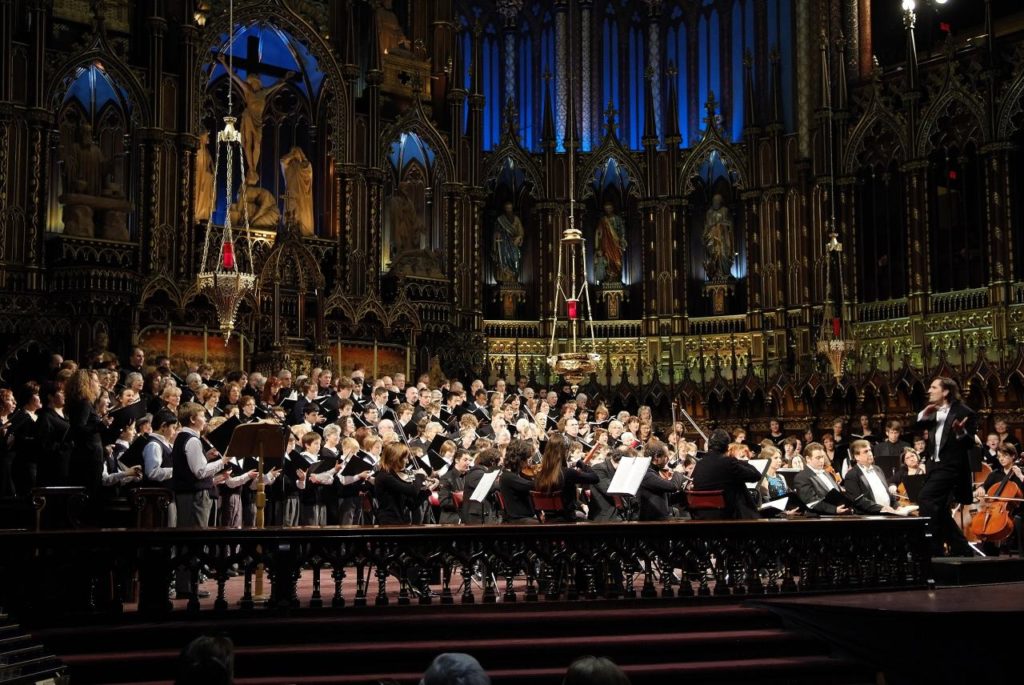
x=738, y=46
x=525, y=82
x=94, y=90
x=637, y=83
x=715, y=56
x=703, y=63
x=677, y=55
x=610, y=65
x=408, y=148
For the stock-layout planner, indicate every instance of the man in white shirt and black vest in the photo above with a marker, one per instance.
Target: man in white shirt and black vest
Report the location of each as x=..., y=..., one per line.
x=193, y=477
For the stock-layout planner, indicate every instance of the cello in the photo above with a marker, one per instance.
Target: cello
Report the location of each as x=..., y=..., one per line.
x=994, y=522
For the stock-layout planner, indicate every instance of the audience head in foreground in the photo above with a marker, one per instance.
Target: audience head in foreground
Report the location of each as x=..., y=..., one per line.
x=594, y=670
x=207, y=661
x=455, y=668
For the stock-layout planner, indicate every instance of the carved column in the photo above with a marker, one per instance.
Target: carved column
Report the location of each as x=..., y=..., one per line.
x=509, y=10
x=40, y=123
x=561, y=68
x=654, y=8
x=6, y=121
x=188, y=142
x=157, y=243
x=586, y=69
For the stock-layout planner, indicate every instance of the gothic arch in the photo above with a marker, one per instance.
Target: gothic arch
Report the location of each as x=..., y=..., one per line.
x=610, y=148
x=157, y=284
x=943, y=105
x=415, y=120
x=291, y=252
x=877, y=119
x=281, y=15
x=712, y=141
x=100, y=52
x=1012, y=104
x=511, y=149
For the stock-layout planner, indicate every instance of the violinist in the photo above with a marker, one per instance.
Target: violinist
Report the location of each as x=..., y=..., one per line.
x=912, y=466
x=716, y=471
x=658, y=483
x=555, y=476
x=397, y=494
x=516, y=482
x=602, y=505
x=1009, y=471
x=452, y=481
x=480, y=512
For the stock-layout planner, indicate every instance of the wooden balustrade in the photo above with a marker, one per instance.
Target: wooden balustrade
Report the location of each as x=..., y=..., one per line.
x=48, y=575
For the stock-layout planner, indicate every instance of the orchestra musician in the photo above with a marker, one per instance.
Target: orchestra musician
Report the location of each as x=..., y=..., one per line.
x=397, y=495
x=453, y=481
x=474, y=512
x=716, y=471
x=516, y=482
x=556, y=476
x=1008, y=470
x=658, y=483
x=866, y=483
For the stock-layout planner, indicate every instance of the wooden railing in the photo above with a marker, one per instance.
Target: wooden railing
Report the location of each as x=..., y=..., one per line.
x=48, y=575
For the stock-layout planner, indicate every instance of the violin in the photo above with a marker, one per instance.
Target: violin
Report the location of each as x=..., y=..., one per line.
x=993, y=522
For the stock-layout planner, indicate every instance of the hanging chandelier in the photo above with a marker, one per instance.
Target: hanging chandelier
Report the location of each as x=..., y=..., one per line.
x=226, y=272
x=575, y=364
x=834, y=340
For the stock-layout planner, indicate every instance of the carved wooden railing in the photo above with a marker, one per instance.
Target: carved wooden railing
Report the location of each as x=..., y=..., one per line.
x=47, y=575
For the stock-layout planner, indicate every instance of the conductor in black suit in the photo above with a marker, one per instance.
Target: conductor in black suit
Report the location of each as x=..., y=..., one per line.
x=716, y=471
x=952, y=427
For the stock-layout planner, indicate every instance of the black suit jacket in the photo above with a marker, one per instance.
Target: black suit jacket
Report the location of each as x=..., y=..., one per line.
x=602, y=505
x=809, y=488
x=653, y=495
x=859, y=489
x=953, y=450
x=718, y=472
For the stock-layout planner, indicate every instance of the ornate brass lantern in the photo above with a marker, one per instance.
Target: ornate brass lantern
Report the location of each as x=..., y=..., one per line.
x=227, y=270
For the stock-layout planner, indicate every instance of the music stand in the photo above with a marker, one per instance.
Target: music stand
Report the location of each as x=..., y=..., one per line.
x=258, y=440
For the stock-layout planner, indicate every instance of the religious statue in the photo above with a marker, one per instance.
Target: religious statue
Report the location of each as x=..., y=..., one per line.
x=609, y=245
x=262, y=208
x=204, y=178
x=256, y=98
x=87, y=165
x=718, y=241
x=406, y=223
x=298, y=178
x=390, y=35
x=506, y=250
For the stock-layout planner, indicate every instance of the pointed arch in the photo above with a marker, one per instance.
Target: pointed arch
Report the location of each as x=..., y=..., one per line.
x=160, y=283
x=415, y=120
x=1011, y=105
x=100, y=53
x=713, y=142
x=877, y=121
x=610, y=148
x=947, y=102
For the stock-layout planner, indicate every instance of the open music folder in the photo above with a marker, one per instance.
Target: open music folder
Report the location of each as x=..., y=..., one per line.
x=629, y=475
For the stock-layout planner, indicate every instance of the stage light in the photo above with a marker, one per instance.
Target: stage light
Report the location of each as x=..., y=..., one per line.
x=909, y=5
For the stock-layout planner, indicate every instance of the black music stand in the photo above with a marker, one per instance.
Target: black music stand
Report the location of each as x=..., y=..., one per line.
x=263, y=441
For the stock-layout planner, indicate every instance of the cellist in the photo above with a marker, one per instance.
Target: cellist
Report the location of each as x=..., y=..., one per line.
x=1006, y=453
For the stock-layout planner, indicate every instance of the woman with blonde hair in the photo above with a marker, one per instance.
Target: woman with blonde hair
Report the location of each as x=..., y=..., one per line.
x=82, y=390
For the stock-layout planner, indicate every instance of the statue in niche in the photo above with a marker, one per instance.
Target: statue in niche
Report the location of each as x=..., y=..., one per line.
x=408, y=232
x=406, y=223
x=609, y=246
x=390, y=34
x=87, y=165
x=298, y=179
x=205, y=182
x=262, y=208
x=718, y=240
x=256, y=98
x=506, y=250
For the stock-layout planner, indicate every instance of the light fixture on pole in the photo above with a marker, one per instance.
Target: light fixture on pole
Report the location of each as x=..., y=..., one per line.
x=227, y=272
x=834, y=341
x=571, y=283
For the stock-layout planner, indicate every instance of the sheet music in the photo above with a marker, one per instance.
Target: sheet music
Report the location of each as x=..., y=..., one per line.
x=779, y=504
x=484, y=486
x=628, y=475
x=761, y=465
